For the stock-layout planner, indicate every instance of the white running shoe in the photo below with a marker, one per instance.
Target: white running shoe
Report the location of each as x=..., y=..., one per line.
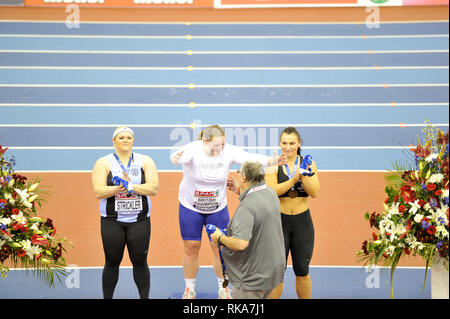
x=189, y=294
x=224, y=293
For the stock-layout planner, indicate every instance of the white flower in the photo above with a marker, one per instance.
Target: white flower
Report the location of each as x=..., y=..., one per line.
x=431, y=157
x=445, y=193
x=441, y=232
x=33, y=250
x=417, y=246
x=436, y=178
x=395, y=231
x=418, y=218
x=385, y=225
x=414, y=207
x=24, y=197
x=2, y=242
x=5, y=221
x=19, y=218
x=35, y=226
x=394, y=209
x=9, y=198
x=410, y=238
x=22, y=193
x=399, y=229
x=26, y=244
x=390, y=250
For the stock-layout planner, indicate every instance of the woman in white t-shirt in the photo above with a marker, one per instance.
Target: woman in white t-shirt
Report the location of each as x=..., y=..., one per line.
x=203, y=196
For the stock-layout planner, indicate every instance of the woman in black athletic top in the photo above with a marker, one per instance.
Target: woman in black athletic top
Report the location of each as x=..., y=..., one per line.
x=293, y=190
x=125, y=212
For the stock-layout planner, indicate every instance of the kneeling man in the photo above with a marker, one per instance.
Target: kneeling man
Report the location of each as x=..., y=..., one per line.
x=253, y=249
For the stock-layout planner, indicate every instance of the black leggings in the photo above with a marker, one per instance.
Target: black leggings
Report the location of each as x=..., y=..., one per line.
x=115, y=235
x=298, y=231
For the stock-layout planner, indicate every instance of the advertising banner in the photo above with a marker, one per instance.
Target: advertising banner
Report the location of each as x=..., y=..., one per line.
x=425, y=2
x=124, y=3
x=303, y=3
x=11, y=2
x=225, y=3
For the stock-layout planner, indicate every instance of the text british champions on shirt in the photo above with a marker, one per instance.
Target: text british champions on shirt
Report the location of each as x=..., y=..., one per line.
x=206, y=201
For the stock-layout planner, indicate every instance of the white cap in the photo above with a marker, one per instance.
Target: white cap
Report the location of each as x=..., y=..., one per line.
x=123, y=129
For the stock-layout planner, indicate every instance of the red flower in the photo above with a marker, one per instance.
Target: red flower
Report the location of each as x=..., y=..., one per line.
x=421, y=151
x=15, y=211
x=396, y=198
x=21, y=227
x=3, y=201
x=438, y=192
x=409, y=196
x=2, y=150
x=409, y=226
x=37, y=257
x=19, y=179
x=431, y=187
x=405, y=188
x=401, y=208
x=39, y=240
x=374, y=236
x=5, y=233
x=431, y=230
x=442, y=138
x=422, y=202
x=21, y=253
x=364, y=247
x=49, y=223
x=407, y=250
x=373, y=219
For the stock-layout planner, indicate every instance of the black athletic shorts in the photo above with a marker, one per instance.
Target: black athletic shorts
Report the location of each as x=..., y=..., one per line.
x=298, y=231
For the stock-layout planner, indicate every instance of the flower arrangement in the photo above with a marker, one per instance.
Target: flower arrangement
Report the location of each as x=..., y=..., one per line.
x=415, y=220
x=26, y=240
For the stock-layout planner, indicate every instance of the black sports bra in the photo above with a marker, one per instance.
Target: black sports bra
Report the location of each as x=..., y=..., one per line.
x=282, y=177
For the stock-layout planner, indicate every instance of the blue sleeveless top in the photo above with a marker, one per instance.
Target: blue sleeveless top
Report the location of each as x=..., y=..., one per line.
x=120, y=207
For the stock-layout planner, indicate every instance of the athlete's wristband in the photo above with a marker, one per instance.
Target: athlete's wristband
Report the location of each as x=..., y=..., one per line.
x=130, y=189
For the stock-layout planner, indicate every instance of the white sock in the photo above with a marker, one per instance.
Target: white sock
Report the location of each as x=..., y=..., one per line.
x=220, y=282
x=190, y=283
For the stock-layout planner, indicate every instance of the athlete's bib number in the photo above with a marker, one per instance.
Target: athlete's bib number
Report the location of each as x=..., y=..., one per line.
x=206, y=201
x=128, y=205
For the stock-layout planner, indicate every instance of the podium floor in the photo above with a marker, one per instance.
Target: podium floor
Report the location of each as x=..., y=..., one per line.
x=168, y=283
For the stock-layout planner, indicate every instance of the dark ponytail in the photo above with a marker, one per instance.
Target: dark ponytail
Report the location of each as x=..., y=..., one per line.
x=292, y=130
